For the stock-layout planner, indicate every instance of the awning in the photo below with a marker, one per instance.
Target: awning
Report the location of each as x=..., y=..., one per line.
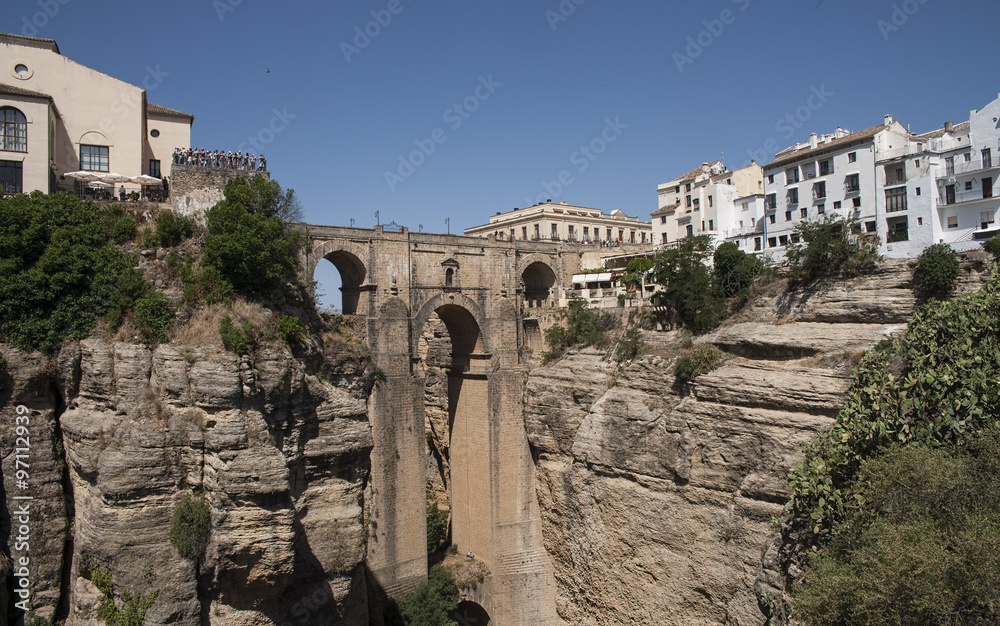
x=592, y=278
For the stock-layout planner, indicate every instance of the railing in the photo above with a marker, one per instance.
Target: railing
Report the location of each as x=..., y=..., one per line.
x=963, y=197
x=897, y=235
x=968, y=168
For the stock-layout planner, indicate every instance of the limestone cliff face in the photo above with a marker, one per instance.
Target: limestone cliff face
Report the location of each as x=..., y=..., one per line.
x=658, y=499
x=121, y=431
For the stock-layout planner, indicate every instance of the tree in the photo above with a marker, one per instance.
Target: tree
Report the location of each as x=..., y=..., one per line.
x=833, y=246
x=734, y=271
x=433, y=602
x=688, y=285
x=937, y=270
x=247, y=241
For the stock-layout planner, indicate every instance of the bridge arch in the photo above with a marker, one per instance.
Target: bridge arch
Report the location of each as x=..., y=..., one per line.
x=464, y=318
x=350, y=260
x=469, y=612
x=539, y=279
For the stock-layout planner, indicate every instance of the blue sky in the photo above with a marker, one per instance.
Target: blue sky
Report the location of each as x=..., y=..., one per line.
x=534, y=81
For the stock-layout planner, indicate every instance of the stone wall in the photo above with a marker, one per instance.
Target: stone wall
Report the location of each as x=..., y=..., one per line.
x=194, y=190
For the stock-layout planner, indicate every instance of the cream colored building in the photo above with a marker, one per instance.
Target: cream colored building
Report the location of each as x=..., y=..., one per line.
x=563, y=222
x=59, y=116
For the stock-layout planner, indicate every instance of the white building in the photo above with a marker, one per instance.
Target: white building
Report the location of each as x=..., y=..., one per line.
x=704, y=202
x=59, y=116
x=831, y=175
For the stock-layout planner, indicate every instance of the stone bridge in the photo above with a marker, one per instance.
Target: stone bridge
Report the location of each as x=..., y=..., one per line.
x=479, y=289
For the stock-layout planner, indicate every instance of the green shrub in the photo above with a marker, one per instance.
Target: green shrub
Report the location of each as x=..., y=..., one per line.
x=584, y=327
x=935, y=385
x=937, y=271
x=58, y=270
x=153, y=316
x=123, y=229
x=433, y=602
x=134, y=611
x=239, y=340
x=993, y=247
x=924, y=549
x=172, y=229
x=703, y=359
x=189, y=526
x=205, y=285
x=437, y=527
x=247, y=241
x=832, y=247
x=290, y=329
x=630, y=346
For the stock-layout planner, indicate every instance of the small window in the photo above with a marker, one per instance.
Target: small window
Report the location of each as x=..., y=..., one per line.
x=916, y=162
x=852, y=157
x=770, y=218
x=821, y=209
x=968, y=185
x=711, y=224
x=13, y=130
x=871, y=227
x=663, y=219
x=21, y=70
x=770, y=179
x=783, y=240
x=756, y=244
x=687, y=187
x=856, y=202
x=449, y=277
x=920, y=221
x=710, y=202
x=154, y=133
x=803, y=212
x=788, y=216
x=837, y=204
x=952, y=221
x=94, y=158
x=772, y=242
x=795, y=238
x=918, y=191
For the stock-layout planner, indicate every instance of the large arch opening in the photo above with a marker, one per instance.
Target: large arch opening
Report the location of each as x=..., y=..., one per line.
x=338, y=283
x=539, y=281
x=453, y=365
x=470, y=613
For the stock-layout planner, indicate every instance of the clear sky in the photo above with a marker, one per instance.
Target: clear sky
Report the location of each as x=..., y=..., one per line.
x=621, y=95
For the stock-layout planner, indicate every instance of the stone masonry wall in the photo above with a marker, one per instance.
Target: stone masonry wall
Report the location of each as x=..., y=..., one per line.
x=194, y=190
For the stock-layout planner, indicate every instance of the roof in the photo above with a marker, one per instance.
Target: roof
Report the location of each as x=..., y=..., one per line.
x=52, y=42
x=155, y=109
x=790, y=154
x=11, y=90
x=665, y=210
x=698, y=170
x=934, y=134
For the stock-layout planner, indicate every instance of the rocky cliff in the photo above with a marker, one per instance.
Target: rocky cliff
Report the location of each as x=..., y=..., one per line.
x=120, y=432
x=658, y=498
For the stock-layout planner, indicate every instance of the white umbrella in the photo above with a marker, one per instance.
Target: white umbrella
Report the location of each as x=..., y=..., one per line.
x=84, y=176
x=115, y=178
x=99, y=184
x=146, y=180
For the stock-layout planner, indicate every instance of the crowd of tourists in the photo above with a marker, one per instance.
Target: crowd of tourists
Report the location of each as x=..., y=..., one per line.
x=220, y=159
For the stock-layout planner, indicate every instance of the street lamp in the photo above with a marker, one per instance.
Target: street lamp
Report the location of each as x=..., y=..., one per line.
x=447, y=222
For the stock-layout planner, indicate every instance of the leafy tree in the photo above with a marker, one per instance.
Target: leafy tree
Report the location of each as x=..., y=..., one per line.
x=734, y=271
x=993, y=247
x=703, y=359
x=687, y=281
x=937, y=270
x=639, y=266
x=247, y=241
x=236, y=339
x=831, y=247
x=58, y=270
x=189, y=526
x=172, y=229
x=433, y=602
x=437, y=526
x=924, y=549
x=290, y=329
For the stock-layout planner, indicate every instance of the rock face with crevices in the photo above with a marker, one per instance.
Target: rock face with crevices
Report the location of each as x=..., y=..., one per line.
x=121, y=432
x=658, y=499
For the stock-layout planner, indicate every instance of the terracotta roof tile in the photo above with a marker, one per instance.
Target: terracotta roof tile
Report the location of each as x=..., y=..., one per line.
x=18, y=91
x=665, y=210
x=790, y=154
x=156, y=109
x=934, y=134
x=38, y=39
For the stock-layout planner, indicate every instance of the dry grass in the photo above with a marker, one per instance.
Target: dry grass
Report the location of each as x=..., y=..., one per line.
x=202, y=330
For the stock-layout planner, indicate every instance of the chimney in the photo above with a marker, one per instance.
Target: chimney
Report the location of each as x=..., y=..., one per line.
x=888, y=120
x=813, y=140
x=949, y=127
x=563, y=203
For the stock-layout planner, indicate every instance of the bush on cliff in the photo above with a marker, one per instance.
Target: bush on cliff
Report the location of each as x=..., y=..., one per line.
x=703, y=359
x=831, y=247
x=108, y=611
x=688, y=289
x=993, y=247
x=58, y=269
x=248, y=241
x=936, y=387
x=584, y=327
x=937, y=271
x=433, y=602
x=189, y=526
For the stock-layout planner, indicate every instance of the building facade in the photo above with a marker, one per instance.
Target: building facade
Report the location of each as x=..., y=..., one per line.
x=59, y=116
x=563, y=222
x=704, y=202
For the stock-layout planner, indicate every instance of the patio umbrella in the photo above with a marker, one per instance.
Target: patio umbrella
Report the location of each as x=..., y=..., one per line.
x=98, y=185
x=84, y=176
x=147, y=180
x=115, y=178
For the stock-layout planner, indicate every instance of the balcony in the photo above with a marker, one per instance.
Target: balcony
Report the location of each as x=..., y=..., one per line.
x=975, y=165
x=897, y=235
x=963, y=197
